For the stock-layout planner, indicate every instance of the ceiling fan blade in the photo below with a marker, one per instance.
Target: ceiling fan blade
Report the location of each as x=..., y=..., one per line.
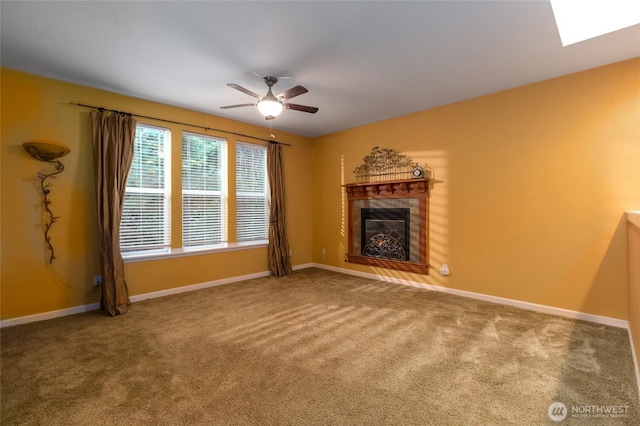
x=302, y=108
x=294, y=91
x=243, y=90
x=237, y=106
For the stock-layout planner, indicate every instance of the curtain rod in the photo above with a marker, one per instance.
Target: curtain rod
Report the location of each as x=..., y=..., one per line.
x=179, y=122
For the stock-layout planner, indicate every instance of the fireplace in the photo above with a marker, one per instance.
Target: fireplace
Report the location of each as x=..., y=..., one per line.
x=388, y=224
x=385, y=233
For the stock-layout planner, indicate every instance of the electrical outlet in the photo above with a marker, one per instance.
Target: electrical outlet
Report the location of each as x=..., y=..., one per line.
x=444, y=270
x=97, y=280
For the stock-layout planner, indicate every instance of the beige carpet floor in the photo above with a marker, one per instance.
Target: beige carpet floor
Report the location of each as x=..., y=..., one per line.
x=315, y=348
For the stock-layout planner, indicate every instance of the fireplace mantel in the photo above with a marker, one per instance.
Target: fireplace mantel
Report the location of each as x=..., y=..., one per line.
x=388, y=189
x=397, y=190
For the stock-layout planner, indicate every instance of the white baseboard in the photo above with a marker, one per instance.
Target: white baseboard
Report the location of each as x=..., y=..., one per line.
x=49, y=315
x=494, y=299
x=524, y=305
x=95, y=306
x=193, y=287
x=304, y=266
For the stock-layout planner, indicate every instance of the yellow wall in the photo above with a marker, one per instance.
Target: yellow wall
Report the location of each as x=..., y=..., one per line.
x=535, y=182
x=37, y=108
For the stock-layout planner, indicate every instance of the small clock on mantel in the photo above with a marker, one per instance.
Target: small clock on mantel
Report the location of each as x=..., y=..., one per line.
x=418, y=172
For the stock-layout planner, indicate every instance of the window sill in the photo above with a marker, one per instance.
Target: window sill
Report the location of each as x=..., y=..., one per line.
x=182, y=252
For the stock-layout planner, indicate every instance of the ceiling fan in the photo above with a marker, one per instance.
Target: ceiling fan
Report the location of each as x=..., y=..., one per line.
x=271, y=106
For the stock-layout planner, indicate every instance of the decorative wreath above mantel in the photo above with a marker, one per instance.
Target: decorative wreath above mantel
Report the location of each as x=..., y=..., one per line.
x=384, y=164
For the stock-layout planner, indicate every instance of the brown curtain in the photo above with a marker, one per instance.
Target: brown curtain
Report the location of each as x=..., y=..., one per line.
x=278, y=245
x=113, y=139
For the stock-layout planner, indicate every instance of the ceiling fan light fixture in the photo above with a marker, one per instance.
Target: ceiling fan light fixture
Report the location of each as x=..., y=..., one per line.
x=270, y=107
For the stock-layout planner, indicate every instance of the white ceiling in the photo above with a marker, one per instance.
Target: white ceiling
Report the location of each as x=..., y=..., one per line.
x=362, y=61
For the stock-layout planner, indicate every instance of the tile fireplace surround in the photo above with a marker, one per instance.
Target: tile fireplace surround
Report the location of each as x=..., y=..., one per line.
x=410, y=194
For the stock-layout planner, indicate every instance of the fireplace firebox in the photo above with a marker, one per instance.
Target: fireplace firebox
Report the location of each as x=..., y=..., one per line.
x=385, y=233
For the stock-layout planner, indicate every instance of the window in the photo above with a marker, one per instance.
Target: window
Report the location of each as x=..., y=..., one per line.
x=145, y=216
x=252, y=192
x=204, y=175
x=146, y=222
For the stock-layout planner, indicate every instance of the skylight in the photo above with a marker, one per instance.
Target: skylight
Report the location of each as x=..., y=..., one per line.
x=579, y=20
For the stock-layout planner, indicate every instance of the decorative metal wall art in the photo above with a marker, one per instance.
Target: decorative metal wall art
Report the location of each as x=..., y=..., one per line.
x=384, y=164
x=50, y=152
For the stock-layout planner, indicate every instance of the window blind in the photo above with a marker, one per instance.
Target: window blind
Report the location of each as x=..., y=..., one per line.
x=203, y=190
x=145, y=216
x=252, y=192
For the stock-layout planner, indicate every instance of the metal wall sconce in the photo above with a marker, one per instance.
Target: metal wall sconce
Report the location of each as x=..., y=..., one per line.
x=48, y=151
